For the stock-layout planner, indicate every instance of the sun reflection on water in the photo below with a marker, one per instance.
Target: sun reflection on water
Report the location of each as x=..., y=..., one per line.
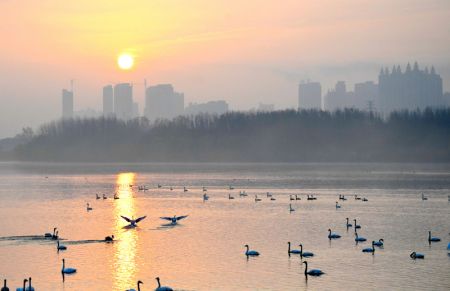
x=127, y=239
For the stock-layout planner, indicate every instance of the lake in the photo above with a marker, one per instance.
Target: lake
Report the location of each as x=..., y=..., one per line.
x=205, y=251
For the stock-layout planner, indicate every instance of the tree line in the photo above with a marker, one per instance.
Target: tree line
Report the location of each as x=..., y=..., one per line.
x=347, y=135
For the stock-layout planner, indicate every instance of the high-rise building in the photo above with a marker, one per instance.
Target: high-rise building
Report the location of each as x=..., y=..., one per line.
x=310, y=95
x=338, y=98
x=412, y=89
x=366, y=96
x=123, y=101
x=67, y=103
x=108, y=101
x=161, y=101
x=211, y=107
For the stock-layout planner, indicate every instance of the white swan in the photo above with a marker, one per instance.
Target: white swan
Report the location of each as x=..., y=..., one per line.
x=313, y=272
x=174, y=220
x=65, y=270
x=162, y=288
x=333, y=235
x=138, y=286
x=297, y=252
x=249, y=252
x=133, y=222
x=60, y=247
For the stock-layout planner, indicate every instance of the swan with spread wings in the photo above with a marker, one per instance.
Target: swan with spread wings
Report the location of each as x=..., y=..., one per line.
x=133, y=222
x=174, y=220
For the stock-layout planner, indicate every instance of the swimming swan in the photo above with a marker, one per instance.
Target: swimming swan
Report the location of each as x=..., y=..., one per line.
x=297, y=252
x=359, y=238
x=379, y=243
x=88, y=207
x=313, y=272
x=109, y=238
x=432, y=238
x=60, y=247
x=370, y=250
x=290, y=208
x=29, y=288
x=415, y=255
x=333, y=235
x=348, y=224
x=305, y=254
x=162, y=288
x=65, y=270
x=248, y=252
x=50, y=234
x=4, y=288
x=337, y=205
x=356, y=225
x=24, y=284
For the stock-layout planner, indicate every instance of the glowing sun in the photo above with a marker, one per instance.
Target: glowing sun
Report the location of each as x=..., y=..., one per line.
x=125, y=61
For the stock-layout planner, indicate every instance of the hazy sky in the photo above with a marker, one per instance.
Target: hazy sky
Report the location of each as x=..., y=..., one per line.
x=245, y=52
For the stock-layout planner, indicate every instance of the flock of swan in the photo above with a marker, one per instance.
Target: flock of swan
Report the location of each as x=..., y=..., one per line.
x=27, y=286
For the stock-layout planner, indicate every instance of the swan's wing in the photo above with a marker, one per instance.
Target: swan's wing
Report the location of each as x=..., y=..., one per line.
x=181, y=217
x=140, y=218
x=126, y=218
x=166, y=218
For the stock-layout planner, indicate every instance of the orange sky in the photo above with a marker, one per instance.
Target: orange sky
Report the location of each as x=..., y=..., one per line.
x=245, y=52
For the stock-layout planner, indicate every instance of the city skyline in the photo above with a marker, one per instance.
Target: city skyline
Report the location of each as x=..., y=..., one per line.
x=244, y=53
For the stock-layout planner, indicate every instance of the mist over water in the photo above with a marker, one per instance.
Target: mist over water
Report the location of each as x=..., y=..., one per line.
x=206, y=250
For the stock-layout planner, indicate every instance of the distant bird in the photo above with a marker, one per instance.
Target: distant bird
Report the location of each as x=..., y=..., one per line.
x=356, y=225
x=162, y=288
x=370, y=250
x=249, y=252
x=423, y=197
x=116, y=196
x=291, y=198
x=230, y=197
x=432, y=238
x=337, y=205
x=109, y=238
x=290, y=208
x=296, y=252
x=305, y=254
x=24, y=284
x=257, y=199
x=313, y=272
x=205, y=197
x=60, y=247
x=379, y=243
x=243, y=194
x=348, y=224
x=97, y=197
x=365, y=199
x=65, y=270
x=415, y=255
x=174, y=220
x=185, y=189
x=133, y=222
x=231, y=187
x=204, y=189
x=159, y=186
x=272, y=198
x=297, y=198
x=333, y=235
x=55, y=235
x=359, y=238
x=268, y=195
x=104, y=196
x=4, y=288
x=88, y=207
x=171, y=188
x=138, y=286
x=50, y=234
x=357, y=198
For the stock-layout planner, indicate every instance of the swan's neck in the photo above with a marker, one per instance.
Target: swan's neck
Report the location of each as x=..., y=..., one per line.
x=301, y=249
x=289, y=247
x=159, y=284
x=306, y=268
x=139, y=286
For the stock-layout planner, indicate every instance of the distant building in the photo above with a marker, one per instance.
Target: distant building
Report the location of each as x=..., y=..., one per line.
x=108, y=100
x=338, y=98
x=447, y=99
x=161, y=101
x=412, y=89
x=123, y=101
x=310, y=95
x=135, y=109
x=211, y=107
x=67, y=104
x=265, y=107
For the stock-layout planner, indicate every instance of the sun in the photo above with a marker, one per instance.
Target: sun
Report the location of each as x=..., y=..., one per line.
x=125, y=61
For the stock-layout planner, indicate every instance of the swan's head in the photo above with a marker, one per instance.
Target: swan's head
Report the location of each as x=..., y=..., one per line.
x=413, y=254
x=300, y=245
x=246, y=246
x=305, y=262
x=381, y=239
x=329, y=229
x=140, y=282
